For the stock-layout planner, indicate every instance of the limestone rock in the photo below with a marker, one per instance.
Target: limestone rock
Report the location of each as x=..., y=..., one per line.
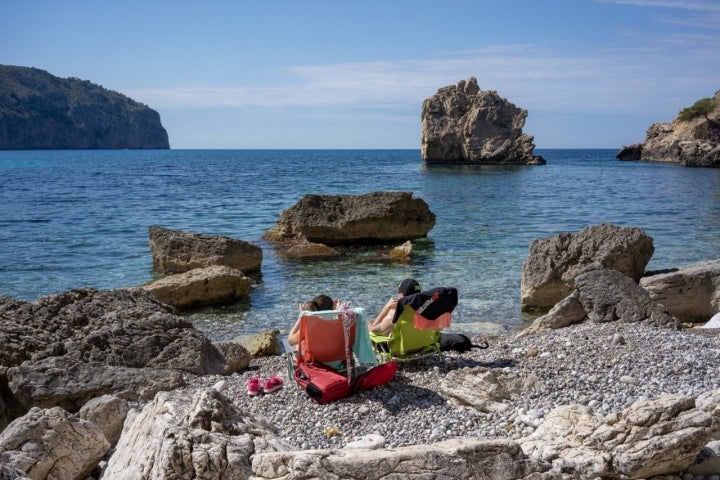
x=450, y=459
x=189, y=434
x=692, y=143
x=463, y=124
x=714, y=322
x=486, y=390
x=108, y=412
x=309, y=250
x=651, y=437
x=263, y=344
x=630, y=152
x=175, y=251
x=66, y=349
x=236, y=356
x=42, y=111
x=201, y=287
x=402, y=253
x=378, y=217
x=10, y=473
x=552, y=264
x=707, y=461
x=603, y=295
x=52, y=444
x=691, y=293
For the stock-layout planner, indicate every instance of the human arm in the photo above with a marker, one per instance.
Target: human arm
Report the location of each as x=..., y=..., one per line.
x=294, y=335
x=384, y=321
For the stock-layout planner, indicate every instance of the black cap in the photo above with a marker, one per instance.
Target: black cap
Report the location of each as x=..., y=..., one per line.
x=409, y=286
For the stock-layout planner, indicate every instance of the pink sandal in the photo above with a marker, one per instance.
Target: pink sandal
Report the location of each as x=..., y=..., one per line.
x=272, y=383
x=253, y=386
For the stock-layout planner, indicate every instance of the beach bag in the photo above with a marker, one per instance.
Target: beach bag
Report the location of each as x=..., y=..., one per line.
x=376, y=376
x=457, y=342
x=322, y=383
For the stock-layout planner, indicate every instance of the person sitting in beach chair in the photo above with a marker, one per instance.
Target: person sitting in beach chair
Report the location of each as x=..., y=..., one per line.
x=337, y=337
x=416, y=323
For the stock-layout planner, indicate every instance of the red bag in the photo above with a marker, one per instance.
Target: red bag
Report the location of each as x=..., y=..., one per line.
x=376, y=376
x=322, y=383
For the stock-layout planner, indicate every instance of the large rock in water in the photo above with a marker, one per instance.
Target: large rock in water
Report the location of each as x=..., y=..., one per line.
x=552, y=264
x=175, y=251
x=691, y=143
x=41, y=111
x=378, y=217
x=66, y=349
x=463, y=124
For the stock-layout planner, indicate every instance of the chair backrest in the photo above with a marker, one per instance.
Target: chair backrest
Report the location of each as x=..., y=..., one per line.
x=323, y=337
x=419, y=319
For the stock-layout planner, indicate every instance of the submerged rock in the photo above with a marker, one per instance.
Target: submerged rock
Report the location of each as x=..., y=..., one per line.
x=463, y=124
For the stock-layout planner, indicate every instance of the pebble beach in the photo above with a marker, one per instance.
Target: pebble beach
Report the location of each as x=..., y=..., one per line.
x=605, y=367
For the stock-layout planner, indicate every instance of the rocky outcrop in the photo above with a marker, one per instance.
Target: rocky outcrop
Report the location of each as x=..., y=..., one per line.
x=200, y=287
x=463, y=124
x=66, y=349
x=631, y=152
x=603, y=295
x=552, y=264
x=691, y=293
x=51, y=444
x=41, y=111
x=197, y=434
x=175, y=251
x=692, y=142
x=649, y=438
x=372, y=218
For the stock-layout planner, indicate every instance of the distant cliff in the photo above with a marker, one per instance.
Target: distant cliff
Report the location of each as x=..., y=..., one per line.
x=463, y=124
x=692, y=139
x=41, y=111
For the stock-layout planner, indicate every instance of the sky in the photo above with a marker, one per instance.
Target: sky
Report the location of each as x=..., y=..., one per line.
x=331, y=74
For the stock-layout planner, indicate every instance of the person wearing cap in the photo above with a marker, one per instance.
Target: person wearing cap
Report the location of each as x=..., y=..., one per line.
x=384, y=321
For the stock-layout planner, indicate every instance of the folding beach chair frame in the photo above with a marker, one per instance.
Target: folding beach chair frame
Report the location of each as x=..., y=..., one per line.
x=329, y=325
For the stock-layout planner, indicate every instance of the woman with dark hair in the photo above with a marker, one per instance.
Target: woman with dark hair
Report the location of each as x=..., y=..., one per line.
x=384, y=321
x=317, y=304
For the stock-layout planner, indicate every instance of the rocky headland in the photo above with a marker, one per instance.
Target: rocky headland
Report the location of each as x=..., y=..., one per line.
x=608, y=384
x=466, y=125
x=41, y=111
x=691, y=140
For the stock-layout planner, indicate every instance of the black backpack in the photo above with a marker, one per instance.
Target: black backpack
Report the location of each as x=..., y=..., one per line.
x=458, y=342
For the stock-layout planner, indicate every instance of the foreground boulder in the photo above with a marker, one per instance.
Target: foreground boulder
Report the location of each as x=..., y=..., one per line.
x=552, y=264
x=603, y=295
x=52, y=444
x=649, y=438
x=190, y=434
x=691, y=293
x=66, y=349
x=463, y=124
x=199, y=287
x=175, y=251
x=378, y=217
x=692, y=141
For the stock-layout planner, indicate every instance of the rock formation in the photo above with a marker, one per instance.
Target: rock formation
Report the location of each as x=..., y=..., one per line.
x=66, y=349
x=199, y=287
x=630, y=152
x=41, y=111
x=175, y=251
x=372, y=218
x=603, y=295
x=691, y=142
x=463, y=124
x=691, y=293
x=552, y=264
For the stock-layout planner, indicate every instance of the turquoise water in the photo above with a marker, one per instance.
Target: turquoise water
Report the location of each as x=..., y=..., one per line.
x=70, y=219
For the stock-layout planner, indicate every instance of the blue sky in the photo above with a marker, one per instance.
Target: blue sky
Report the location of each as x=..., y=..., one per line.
x=342, y=74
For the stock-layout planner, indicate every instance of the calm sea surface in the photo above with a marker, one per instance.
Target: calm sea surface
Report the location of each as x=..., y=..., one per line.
x=70, y=219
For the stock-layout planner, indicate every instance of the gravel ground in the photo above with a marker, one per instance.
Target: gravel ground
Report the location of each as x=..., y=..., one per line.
x=603, y=366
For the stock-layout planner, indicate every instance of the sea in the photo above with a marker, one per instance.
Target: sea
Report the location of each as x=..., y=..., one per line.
x=72, y=219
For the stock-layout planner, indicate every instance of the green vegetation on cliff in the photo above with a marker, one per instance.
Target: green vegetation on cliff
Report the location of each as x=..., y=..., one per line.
x=41, y=111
